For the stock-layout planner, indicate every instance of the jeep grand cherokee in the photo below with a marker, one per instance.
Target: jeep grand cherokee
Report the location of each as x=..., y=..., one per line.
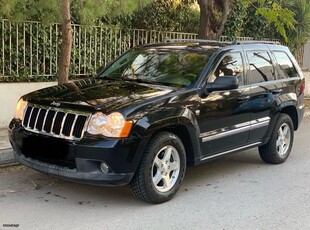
x=160, y=108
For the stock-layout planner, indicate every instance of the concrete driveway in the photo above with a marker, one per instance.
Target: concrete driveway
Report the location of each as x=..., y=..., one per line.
x=235, y=192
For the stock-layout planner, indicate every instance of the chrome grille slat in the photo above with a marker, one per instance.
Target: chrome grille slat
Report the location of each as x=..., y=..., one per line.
x=41, y=118
x=30, y=117
x=73, y=125
x=44, y=120
x=58, y=122
x=51, y=122
x=26, y=116
x=66, y=130
x=62, y=124
x=33, y=118
x=36, y=120
x=78, y=128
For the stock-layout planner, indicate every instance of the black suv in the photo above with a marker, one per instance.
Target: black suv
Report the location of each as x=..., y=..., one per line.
x=160, y=108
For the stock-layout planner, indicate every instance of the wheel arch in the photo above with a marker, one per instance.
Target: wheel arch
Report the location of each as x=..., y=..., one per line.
x=291, y=111
x=185, y=127
x=182, y=132
x=286, y=108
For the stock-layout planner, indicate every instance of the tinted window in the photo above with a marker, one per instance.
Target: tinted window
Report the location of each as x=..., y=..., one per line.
x=285, y=66
x=231, y=65
x=261, y=66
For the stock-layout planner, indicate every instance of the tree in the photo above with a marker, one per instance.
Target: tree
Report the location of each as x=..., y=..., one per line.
x=85, y=11
x=66, y=31
x=298, y=36
x=252, y=20
x=233, y=26
x=213, y=16
x=278, y=14
x=286, y=20
x=163, y=15
x=275, y=14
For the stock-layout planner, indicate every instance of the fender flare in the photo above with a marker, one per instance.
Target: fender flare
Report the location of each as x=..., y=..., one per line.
x=173, y=118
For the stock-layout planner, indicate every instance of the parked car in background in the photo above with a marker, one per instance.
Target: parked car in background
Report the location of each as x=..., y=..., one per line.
x=160, y=108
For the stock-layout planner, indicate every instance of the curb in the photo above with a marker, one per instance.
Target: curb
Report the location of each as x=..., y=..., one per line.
x=7, y=157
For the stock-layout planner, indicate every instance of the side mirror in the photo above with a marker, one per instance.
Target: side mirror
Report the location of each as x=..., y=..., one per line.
x=222, y=83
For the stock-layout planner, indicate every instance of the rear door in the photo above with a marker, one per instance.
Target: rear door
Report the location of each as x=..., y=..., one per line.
x=265, y=90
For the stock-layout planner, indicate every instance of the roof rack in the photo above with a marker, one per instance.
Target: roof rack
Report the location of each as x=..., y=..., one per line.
x=195, y=40
x=256, y=42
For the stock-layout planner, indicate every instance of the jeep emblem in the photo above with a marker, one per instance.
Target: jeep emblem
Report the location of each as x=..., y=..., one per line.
x=54, y=103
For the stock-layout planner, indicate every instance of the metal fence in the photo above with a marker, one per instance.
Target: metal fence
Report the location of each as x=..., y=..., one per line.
x=29, y=51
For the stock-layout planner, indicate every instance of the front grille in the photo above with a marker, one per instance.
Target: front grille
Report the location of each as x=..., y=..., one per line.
x=56, y=123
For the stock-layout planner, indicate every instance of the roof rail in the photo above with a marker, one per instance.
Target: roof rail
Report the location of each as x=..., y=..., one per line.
x=256, y=42
x=224, y=42
x=195, y=40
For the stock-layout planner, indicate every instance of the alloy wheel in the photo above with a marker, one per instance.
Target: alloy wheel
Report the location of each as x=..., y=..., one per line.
x=166, y=168
x=284, y=139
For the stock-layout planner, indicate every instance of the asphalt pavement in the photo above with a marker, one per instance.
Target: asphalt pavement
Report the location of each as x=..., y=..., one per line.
x=236, y=192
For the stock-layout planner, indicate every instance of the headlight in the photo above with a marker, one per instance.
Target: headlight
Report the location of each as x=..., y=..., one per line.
x=20, y=109
x=113, y=125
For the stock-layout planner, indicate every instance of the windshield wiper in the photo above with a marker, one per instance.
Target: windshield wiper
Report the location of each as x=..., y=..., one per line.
x=157, y=83
x=108, y=77
x=139, y=80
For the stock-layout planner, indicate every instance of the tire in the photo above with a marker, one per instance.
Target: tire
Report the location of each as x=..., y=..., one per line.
x=161, y=170
x=279, y=146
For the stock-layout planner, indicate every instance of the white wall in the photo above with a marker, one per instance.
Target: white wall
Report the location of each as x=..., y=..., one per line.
x=307, y=77
x=9, y=95
x=306, y=58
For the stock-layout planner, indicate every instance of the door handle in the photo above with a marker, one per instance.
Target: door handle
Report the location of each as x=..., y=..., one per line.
x=276, y=91
x=243, y=98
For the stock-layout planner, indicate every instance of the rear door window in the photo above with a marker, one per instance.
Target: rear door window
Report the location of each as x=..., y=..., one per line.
x=261, y=67
x=285, y=66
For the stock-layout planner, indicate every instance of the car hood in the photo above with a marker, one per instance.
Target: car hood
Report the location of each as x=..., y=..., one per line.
x=96, y=94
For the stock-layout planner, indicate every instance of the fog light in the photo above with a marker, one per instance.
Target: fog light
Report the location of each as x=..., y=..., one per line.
x=104, y=167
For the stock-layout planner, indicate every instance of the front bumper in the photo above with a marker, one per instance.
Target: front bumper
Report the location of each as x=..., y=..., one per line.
x=79, y=161
x=91, y=176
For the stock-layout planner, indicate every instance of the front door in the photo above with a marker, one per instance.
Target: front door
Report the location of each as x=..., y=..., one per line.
x=224, y=118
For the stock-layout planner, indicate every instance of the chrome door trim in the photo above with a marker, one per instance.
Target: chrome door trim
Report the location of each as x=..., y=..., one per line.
x=235, y=129
x=229, y=151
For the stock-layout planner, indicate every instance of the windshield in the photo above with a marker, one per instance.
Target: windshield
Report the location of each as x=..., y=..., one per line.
x=171, y=66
